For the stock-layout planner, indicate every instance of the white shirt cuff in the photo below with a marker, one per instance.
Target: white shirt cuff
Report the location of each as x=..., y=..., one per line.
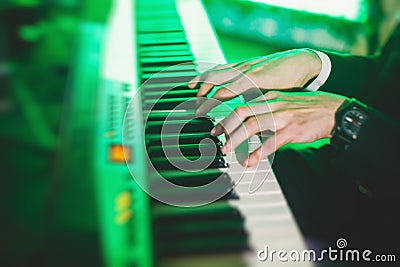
x=325, y=71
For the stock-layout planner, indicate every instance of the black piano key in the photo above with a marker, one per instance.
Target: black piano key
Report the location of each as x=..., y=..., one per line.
x=169, y=62
x=158, y=79
x=165, y=69
x=170, y=103
x=218, y=191
x=162, y=36
x=170, y=26
x=165, y=87
x=156, y=115
x=185, y=58
x=207, y=175
x=157, y=8
x=143, y=29
x=215, y=230
x=163, y=48
x=202, y=245
x=185, y=150
x=217, y=223
x=182, y=228
x=187, y=178
x=170, y=74
x=175, y=115
x=214, y=209
x=233, y=195
x=183, y=138
x=164, y=53
x=163, y=42
x=149, y=21
x=233, y=238
x=166, y=61
x=189, y=163
x=188, y=93
x=195, y=226
x=161, y=54
x=179, y=126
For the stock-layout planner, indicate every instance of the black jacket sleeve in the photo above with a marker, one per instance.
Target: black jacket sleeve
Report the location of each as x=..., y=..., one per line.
x=367, y=78
x=373, y=158
x=350, y=75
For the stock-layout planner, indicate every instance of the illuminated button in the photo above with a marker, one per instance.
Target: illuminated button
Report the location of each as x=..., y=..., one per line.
x=123, y=201
x=120, y=153
x=123, y=217
x=109, y=134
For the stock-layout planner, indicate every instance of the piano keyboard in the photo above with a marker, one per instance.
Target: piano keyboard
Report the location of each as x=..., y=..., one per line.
x=137, y=230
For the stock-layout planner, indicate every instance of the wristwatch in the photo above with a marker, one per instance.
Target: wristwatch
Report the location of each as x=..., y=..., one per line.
x=350, y=117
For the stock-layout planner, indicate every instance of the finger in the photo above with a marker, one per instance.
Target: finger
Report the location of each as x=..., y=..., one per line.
x=232, y=121
x=241, y=113
x=202, y=77
x=220, y=77
x=270, y=95
x=242, y=66
x=265, y=135
x=238, y=116
x=287, y=96
x=205, y=88
x=198, y=79
x=247, y=65
x=221, y=74
x=234, y=89
x=193, y=82
x=222, y=95
x=268, y=147
x=251, y=127
x=207, y=105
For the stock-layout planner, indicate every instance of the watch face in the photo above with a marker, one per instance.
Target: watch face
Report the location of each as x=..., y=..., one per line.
x=352, y=121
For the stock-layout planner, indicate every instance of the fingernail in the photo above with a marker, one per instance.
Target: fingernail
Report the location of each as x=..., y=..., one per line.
x=200, y=111
x=245, y=162
x=213, y=131
x=223, y=149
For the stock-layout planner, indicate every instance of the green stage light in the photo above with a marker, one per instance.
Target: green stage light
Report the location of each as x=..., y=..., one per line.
x=352, y=10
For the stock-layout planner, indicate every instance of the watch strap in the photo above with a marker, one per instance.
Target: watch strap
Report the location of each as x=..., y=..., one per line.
x=340, y=138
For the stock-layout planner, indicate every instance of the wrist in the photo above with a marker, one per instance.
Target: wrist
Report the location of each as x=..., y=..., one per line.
x=312, y=63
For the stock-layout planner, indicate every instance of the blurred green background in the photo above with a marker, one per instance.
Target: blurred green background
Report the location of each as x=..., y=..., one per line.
x=48, y=206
